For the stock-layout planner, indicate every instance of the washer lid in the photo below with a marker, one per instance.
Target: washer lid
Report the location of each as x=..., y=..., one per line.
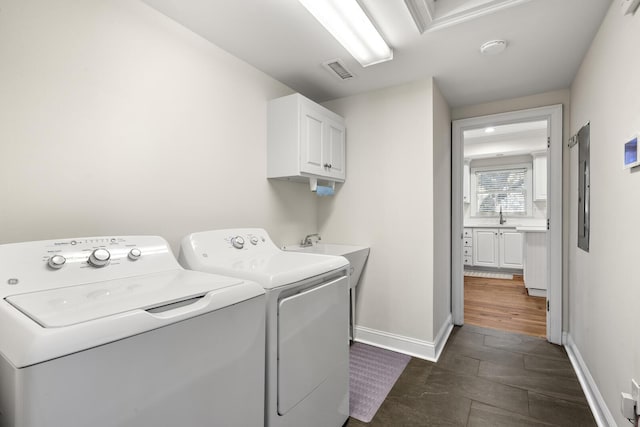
x=72, y=305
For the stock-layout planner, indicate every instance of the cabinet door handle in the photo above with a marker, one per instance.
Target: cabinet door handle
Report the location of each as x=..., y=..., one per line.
x=329, y=165
x=326, y=165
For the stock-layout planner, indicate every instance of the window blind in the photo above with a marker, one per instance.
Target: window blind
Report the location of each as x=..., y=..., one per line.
x=503, y=188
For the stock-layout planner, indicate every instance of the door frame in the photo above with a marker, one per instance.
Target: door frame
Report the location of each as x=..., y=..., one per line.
x=553, y=115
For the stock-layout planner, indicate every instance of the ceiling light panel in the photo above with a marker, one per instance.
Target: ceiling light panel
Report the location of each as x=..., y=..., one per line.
x=346, y=21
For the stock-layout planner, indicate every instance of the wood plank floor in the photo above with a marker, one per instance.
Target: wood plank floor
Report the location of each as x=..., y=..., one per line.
x=503, y=304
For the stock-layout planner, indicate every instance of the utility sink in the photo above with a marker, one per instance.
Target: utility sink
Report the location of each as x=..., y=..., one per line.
x=356, y=255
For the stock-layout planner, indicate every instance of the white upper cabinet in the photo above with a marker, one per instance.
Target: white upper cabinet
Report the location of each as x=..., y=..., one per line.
x=304, y=139
x=539, y=175
x=466, y=182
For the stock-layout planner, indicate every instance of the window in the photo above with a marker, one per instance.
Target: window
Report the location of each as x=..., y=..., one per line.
x=505, y=188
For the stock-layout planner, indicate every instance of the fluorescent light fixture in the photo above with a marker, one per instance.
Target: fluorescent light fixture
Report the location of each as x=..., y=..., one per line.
x=347, y=22
x=490, y=130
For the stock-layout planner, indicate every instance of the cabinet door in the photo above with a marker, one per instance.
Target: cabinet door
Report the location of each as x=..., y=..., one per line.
x=333, y=148
x=535, y=260
x=311, y=323
x=466, y=183
x=511, y=244
x=485, y=247
x=312, y=129
x=540, y=176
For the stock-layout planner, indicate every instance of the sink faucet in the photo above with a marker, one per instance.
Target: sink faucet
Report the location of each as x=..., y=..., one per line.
x=502, y=218
x=308, y=240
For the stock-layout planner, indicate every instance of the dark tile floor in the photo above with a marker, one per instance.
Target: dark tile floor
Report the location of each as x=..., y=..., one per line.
x=487, y=377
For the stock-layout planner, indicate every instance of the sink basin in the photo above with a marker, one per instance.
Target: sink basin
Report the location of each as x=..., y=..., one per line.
x=356, y=255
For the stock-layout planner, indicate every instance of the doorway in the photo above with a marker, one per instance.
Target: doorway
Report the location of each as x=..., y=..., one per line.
x=507, y=203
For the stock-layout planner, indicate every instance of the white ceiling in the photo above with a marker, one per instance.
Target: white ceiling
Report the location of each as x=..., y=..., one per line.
x=536, y=128
x=547, y=41
x=506, y=140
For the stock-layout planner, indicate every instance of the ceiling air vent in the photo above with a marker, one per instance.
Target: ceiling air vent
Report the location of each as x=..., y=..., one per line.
x=338, y=69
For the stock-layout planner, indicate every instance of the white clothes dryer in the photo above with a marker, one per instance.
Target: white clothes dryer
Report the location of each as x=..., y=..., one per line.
x=111, y=331
x=307, y=320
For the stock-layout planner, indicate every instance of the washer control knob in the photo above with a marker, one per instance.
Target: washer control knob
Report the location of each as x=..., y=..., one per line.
x=254, y=240
x=99, y=257
x=237, y=242
x=57, y=262
x=134, y=254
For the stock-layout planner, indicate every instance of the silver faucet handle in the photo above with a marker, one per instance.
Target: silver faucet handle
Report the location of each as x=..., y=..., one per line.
x=308, y=240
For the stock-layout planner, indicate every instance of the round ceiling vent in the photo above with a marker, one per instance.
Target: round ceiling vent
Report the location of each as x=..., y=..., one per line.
x=493, y=47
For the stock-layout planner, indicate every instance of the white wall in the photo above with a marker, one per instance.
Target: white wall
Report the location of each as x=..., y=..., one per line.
x=604, y=312
x=387, y=203
x=533, y=101
x=441, y=211
x=116, y=120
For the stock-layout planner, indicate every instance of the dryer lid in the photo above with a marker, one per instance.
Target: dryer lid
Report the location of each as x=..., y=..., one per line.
x=72, y=305
x=270, y=269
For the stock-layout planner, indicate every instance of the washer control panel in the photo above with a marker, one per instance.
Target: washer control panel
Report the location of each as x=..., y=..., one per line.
x=91, y=252
x=52, y=263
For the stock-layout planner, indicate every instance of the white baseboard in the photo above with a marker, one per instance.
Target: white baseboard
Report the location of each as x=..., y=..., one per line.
x=413, y=347
x=537, y=292
x=599, y=408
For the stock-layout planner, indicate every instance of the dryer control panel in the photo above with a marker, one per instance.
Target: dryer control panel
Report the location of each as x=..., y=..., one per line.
x=231, y=241
x=247, y=239
x=48, y=264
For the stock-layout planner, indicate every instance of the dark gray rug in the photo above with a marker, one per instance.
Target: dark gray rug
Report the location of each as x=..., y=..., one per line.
x=372, y=373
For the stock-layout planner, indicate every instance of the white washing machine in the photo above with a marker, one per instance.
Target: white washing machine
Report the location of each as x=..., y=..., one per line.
x=111, y=331
x=307, y=374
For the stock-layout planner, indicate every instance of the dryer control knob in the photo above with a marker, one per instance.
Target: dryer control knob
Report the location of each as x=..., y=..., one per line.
x=134, y=254
x=237, y=242
x=57, y=262
x=99, y=257
x=254, y=240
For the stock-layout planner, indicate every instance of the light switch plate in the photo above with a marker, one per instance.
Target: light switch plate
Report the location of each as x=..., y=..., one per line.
x=629, y=6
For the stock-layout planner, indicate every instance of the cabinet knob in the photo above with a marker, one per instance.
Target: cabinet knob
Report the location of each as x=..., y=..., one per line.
x=329, y=165
x=326, y=165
